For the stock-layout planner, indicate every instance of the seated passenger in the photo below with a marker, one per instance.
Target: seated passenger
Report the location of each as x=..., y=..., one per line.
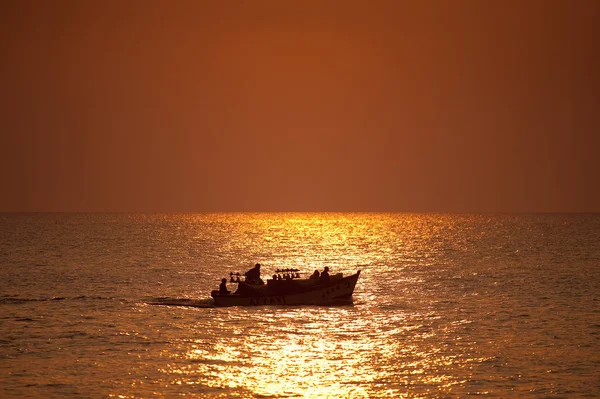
x=223, y=287
x=315, y=275
x=325, y=275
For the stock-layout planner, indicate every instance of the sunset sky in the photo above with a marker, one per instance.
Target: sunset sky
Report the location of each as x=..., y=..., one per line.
x=199, y=106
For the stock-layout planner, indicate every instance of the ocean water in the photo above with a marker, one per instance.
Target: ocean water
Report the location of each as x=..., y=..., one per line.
x=446, y=306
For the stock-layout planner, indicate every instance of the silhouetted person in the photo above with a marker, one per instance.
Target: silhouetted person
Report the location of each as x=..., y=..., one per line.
x=325, y=275
x=315, y=275
x=223, y=287
x=253, y=275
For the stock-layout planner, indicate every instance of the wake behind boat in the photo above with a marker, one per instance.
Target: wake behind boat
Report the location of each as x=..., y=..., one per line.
x=287, y=290
x=196, y=303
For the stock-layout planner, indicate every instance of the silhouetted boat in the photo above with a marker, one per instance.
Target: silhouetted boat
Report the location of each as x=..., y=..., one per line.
x=293, y=291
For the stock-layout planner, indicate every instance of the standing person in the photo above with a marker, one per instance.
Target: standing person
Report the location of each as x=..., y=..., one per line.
x=253, y=275
x=325, y=275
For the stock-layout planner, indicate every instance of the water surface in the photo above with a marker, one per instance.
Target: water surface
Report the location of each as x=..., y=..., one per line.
x=446, y=306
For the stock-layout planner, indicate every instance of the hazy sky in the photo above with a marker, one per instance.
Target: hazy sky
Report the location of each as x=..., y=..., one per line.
x=305, y=105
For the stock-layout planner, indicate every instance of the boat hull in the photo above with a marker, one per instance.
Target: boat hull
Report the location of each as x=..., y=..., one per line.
x=336, y=292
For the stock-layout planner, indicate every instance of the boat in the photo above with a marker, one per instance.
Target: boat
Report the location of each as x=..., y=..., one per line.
x=290, y=290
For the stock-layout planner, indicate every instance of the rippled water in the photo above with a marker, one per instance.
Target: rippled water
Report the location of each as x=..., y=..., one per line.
x=446, y=306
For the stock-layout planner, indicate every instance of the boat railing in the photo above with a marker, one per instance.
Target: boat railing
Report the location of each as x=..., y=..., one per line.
x=234, y=277
x=286, y=274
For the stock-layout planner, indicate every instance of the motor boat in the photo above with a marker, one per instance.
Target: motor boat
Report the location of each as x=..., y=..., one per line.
x=287, y=288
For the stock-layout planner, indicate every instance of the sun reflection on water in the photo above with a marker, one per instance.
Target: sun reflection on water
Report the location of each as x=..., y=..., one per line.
x=391, y=343
x=320, y=353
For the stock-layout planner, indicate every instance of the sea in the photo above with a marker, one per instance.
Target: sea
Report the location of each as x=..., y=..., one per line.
x=446, y=306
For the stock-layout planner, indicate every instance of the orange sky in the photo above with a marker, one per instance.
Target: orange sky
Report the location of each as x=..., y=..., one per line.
x=409, y=106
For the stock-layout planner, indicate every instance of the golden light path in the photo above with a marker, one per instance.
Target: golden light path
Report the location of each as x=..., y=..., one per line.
x=328, y=358
x=356, y=351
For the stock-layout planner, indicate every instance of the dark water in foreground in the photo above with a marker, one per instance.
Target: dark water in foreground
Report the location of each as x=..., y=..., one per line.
x=446, y=306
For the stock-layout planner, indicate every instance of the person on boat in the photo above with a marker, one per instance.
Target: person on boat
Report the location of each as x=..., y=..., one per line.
x=253, y=275
x=223, y=287
x=315, y=275
x=324, y=278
